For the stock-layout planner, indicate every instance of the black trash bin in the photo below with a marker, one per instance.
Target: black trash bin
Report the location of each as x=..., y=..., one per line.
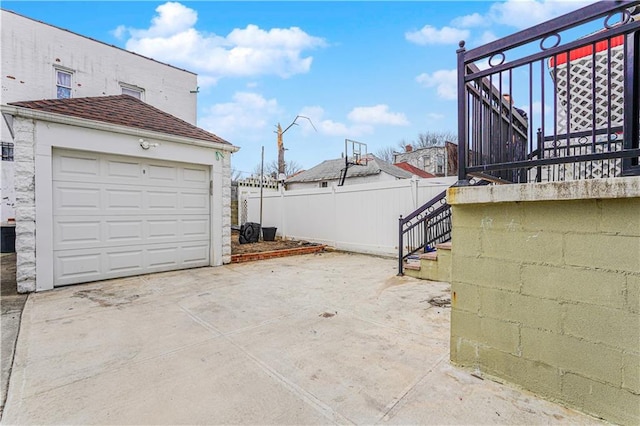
x=269, y=233
x=8, y=238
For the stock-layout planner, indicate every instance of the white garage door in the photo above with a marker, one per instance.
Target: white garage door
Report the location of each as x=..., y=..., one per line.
x=117, y=216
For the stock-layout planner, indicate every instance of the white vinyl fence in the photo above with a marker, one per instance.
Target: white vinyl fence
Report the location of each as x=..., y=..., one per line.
x=360, y=218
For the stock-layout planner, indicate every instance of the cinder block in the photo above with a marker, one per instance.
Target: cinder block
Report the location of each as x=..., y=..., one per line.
x=617, y=328
x=465, y=325
x=529, y=311
x=573, y=355
x=632, y=302
x=534, y=376
x=466, y=242
x=631, y=372
x=574, y=284
x=483, y=272
x=463, y=352
x=602, y=400
x=618, y=216
x=562, y=216
x=465, y=297
x=610, y=252
x=520, y=246
x=500, y=335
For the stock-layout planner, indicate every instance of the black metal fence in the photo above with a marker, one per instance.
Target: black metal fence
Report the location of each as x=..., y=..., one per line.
x=532, y=107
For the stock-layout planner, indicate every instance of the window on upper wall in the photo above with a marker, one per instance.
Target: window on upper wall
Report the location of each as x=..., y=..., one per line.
x=324, y=184
x=7, y=151
x=134, y=91
x=63, y=84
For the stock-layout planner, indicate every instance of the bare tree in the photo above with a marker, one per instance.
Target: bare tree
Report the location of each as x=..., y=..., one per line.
x=235, y=174
x=429, y=138
x=271, y=168
x=386, y=153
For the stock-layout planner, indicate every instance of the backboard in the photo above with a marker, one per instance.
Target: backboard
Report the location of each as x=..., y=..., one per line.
x=355, y=152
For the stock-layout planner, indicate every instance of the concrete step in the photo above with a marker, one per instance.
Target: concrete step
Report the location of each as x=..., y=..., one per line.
x=433, y=266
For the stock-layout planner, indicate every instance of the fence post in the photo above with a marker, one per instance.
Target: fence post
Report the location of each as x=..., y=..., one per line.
x=400, y=244
x=462, y=118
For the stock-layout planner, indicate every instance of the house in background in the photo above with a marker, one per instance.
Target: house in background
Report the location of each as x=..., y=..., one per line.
x=112, y=176
x=41, y=61
x=436, y=160
x=328, y=173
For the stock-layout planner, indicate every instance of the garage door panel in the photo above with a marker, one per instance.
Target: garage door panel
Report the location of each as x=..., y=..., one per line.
x=129, y=170
x=194, y=201
x=73, y=165
x=195, y=255
x=73, y=198
x=77, y=267
x=164, y=257
x=74, y=232
x=162, y=200
x=124, y=260
x=163, y=228
x=116, y=216
x=195, y=175
x=123, y=231
x=128, y=199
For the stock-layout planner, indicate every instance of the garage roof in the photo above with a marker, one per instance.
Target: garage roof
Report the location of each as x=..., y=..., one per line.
x=123, y=110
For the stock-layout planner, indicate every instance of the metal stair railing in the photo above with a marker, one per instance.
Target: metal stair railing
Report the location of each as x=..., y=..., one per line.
x=425, y=227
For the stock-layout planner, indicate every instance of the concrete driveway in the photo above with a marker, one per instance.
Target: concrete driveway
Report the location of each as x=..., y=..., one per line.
x=331, y=338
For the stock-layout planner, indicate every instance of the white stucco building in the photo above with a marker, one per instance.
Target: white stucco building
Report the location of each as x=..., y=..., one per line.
x=112, y=177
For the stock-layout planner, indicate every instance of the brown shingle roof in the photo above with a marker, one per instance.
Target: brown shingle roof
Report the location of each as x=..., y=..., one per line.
x=123, y=110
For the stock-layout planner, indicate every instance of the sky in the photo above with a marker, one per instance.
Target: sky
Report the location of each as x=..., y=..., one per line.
x=376, y=72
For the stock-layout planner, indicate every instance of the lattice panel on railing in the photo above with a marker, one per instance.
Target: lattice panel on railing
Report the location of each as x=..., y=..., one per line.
x=574, y=84
x=575, y=97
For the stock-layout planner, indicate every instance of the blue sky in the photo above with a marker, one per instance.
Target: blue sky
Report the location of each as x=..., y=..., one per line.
x=375, y=72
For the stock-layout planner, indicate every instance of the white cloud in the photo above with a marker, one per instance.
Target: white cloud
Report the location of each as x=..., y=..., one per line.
x=523, y=14
x=432, y=35
x=246, y=52
x=468, y=21
x=487, y=37
x=434, y=116
x=378, y=114
x=334, y=128
x=445, y=82
x=244, y=115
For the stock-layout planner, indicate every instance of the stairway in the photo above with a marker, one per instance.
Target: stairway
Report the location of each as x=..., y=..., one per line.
x=433, y=266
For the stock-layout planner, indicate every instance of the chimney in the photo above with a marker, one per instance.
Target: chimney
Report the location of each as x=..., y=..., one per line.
x=408, y=148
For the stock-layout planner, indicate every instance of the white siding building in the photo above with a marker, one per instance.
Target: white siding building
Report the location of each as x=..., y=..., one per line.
x=40, y=61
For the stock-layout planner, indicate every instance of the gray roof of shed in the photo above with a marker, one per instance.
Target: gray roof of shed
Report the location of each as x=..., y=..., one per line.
x=330, y=170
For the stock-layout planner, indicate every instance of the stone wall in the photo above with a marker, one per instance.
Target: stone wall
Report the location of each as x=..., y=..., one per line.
x=546, y=294
x=25, y=210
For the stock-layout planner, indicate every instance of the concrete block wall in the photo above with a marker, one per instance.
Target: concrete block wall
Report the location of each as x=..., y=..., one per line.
x=546, y=295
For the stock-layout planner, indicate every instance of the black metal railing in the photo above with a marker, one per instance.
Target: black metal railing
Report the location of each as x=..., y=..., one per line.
x=425, y=227
x=532, y=108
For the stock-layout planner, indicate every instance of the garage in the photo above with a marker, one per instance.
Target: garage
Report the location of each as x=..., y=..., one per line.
x=110, y=187
x=115, y=216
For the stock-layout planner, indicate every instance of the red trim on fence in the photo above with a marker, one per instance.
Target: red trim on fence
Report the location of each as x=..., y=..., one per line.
x=587, y=50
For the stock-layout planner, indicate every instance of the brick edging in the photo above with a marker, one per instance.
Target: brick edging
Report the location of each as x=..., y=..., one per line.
x=248, y=257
